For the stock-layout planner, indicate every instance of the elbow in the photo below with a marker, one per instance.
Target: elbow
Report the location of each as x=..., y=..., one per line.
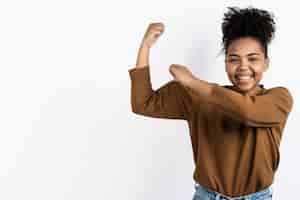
x=135, y=110
x=136, y=104
x=136, y=107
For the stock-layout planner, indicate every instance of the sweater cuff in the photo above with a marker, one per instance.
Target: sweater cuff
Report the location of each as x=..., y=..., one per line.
x=140, y=76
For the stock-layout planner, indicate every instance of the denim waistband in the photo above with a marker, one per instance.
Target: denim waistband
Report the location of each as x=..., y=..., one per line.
x=267, y=192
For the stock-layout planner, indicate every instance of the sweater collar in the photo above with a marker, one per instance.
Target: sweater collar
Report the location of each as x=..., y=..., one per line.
x=259, y=92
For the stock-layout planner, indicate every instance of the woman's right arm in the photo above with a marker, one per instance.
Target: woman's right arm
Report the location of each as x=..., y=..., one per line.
x=169, y=101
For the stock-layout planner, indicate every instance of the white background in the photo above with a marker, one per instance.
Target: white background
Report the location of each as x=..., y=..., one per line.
x=67, y=130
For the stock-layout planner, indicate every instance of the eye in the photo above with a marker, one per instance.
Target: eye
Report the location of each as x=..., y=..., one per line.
x=233, y=60
x=253, y=59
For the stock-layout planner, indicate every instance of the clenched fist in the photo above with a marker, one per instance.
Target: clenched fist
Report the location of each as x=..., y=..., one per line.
x=181, y=74
x=153, y=32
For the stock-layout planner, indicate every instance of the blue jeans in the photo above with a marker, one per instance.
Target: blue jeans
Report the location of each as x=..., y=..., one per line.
x=203, y=193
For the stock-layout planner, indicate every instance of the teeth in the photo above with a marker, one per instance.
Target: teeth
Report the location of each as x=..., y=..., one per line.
x=244, y=77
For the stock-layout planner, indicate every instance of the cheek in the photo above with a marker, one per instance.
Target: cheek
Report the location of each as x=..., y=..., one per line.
x=258, y=77
x=258, y=68
x=258, y=72
x=230, y=70
x=231, y=77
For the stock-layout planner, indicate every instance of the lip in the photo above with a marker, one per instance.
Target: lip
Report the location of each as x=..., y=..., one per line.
x=244, y=81
x=244, y=75
x=237, y=76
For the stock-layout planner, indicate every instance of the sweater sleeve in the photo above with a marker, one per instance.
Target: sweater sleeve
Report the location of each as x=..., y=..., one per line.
x=264, y=110
x=170, y=101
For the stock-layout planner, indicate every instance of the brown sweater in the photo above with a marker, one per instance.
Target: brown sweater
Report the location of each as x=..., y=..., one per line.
x=235, y=137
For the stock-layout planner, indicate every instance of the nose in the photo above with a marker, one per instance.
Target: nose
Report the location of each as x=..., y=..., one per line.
x=244, y=64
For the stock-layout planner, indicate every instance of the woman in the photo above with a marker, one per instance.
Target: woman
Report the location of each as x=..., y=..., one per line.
x=236, y=129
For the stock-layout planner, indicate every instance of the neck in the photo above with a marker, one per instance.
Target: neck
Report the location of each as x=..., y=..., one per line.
x=257, y=89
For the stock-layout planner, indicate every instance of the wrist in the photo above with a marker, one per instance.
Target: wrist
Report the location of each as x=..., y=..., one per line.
x=144, y=46
x=191, y=82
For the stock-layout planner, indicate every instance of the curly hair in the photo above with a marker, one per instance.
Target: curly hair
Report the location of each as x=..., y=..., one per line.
x=253, y=22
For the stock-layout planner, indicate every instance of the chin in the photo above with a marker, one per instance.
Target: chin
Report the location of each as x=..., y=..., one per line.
x=244, y=87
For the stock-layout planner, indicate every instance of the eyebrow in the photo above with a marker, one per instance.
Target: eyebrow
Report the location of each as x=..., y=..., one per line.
x=249, y=54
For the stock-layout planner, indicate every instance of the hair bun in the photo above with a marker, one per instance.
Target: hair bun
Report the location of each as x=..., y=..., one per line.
x=248, y=21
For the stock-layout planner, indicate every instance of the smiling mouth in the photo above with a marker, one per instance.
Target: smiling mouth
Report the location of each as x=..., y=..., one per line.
x=244, y=78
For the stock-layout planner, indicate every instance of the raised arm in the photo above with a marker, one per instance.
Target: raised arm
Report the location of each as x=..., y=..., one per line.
x=169, y=101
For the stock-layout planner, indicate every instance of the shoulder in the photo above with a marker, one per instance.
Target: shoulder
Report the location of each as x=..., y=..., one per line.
x=281, y=93
x=279, y=90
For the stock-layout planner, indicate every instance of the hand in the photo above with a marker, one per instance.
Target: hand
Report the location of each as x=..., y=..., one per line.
x=181, y=74
x=153, y=32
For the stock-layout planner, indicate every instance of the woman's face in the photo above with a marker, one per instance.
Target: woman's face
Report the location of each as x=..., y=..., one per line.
x=245, y=64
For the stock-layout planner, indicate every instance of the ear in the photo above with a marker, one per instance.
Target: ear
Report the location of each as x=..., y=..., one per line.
x=267, y=62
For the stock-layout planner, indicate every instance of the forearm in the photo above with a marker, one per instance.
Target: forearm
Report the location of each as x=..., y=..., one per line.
x=265, y=110
x=143, y=56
